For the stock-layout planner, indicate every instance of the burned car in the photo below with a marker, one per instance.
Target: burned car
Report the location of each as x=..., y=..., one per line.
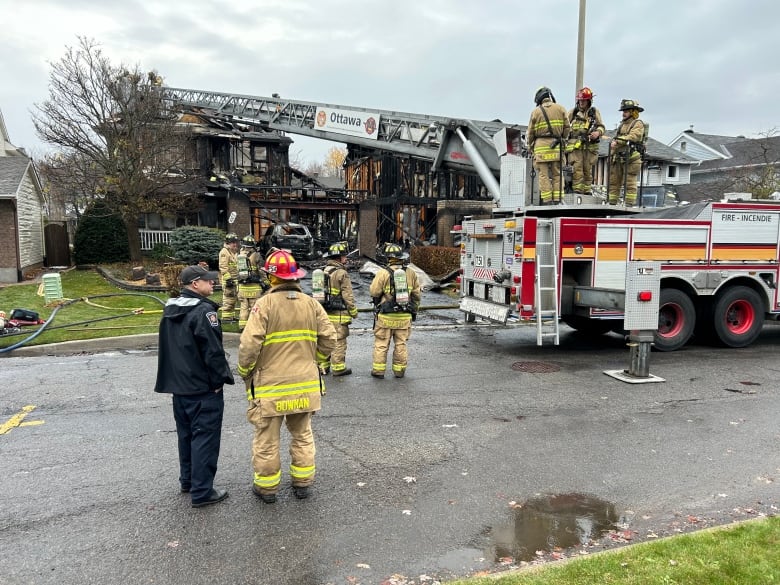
x=293, y=237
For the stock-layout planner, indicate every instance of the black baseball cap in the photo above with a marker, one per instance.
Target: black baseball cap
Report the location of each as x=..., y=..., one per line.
x=193, y=273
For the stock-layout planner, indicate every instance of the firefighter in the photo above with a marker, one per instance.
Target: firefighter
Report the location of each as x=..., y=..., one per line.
x=287, y=338
x=582, y=150
x=340, y=307
x=547, y=132
x=626, y=153
x=228, y=271
x=251, y=278
x=395, y=291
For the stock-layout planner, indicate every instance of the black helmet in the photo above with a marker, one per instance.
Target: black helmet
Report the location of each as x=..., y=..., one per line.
x=248, y=241
x=630, y=105
x=394, y=252
x=337, y=250
x=542, y=93
x=231, y=237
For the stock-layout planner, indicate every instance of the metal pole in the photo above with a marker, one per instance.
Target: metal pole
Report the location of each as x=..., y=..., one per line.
x=581, y=47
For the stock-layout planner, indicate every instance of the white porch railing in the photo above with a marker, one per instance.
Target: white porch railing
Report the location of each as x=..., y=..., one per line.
x=151, y=237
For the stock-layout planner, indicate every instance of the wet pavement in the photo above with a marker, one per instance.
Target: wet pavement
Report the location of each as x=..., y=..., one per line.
x=491, y=454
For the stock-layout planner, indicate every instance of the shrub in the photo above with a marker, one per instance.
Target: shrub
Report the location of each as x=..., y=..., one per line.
x=436, y=260
x=161, y=252
x=191, y=245
x=101, y=237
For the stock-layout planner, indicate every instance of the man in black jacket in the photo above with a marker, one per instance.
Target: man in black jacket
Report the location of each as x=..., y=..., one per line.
x=192, y=366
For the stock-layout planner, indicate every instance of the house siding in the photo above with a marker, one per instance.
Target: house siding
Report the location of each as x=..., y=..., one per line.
x=694, y=149
x=30, y=217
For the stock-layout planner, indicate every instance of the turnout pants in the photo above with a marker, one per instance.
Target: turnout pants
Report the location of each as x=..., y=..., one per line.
x=581, y=161
x=266, y=460
x=338, y=358
x=382, y=337
x=620, y=173
x=550, y=187
x=229, y=296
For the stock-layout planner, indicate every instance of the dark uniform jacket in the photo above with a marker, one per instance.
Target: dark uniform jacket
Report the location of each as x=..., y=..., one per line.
x=191, y=359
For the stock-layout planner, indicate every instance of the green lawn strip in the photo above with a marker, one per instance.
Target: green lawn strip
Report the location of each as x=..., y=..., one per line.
x=91, y=315
x=744, y=553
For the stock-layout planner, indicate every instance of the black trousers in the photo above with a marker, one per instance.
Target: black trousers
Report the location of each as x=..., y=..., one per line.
x=199, y=428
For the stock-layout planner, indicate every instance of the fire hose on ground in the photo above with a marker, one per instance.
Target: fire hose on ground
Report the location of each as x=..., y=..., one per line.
x=47, y=325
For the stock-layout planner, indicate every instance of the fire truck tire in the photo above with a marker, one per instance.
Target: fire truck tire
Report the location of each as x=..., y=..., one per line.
x=588, y=326
x=676, y=320
x=738, y=316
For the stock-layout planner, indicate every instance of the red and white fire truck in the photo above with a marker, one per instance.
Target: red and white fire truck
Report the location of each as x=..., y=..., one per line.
x=719, y=269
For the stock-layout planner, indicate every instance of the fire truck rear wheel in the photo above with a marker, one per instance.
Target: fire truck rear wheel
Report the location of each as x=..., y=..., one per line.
x=738, y=316
x=676, y=320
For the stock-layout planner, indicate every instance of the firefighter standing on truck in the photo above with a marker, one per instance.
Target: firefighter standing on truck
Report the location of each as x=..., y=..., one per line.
x=582, y=150
x=228, y=274
x=626, y=150
x=251, y=279
x=547, y=132
x=339, y=302
x=287, y=338
x=395, y=291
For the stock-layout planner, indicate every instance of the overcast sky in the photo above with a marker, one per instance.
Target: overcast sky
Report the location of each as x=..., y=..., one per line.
x=712, y=64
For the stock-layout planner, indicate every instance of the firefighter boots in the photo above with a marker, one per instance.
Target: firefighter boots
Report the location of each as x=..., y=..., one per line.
x=301, y=492
x=344, y=372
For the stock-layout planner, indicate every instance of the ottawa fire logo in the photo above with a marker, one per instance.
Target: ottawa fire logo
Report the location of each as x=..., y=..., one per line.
x=321, y=118
x=370, y=126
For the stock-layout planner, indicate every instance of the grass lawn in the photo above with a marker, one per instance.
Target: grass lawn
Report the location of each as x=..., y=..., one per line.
x=93, y=308
x=741, y=554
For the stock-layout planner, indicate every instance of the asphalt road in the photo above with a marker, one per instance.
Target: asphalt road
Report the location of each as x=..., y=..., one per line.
x=419, y=479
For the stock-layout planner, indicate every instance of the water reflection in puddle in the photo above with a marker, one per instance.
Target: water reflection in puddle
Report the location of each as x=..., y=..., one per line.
x=545, y=523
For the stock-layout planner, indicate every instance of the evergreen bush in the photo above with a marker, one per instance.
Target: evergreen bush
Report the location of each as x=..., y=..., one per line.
x=101, y=237
x=192, y=244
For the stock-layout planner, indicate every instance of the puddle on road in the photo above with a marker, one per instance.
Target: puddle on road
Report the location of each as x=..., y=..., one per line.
x=545, y=523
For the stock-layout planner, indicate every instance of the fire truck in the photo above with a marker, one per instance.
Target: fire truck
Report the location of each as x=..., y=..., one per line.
x=562, y=263
x=719, y=269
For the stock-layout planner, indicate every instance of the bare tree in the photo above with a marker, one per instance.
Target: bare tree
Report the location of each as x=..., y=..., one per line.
x=112, y=123
x=71, y=183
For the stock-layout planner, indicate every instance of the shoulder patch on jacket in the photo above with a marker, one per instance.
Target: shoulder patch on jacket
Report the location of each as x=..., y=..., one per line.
x=213, y=319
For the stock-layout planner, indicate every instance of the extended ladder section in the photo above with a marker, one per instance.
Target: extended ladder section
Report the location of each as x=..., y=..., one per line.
x=546, y=285
x=422, y=136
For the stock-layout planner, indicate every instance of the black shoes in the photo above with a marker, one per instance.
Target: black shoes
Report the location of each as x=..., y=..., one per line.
x=344, y=372
x=185, y=489
x=301, y=492
x=214, y=497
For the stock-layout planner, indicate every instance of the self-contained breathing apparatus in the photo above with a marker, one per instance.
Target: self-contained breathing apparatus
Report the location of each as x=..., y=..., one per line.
x=322, y=291
x=399, y=294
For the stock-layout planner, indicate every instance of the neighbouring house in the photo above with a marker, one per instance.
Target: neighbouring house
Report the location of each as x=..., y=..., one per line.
x=22, y=248
x=664, y=171
x=730, y=164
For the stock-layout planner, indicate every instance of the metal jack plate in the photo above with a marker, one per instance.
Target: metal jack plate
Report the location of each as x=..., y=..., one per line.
x=624, y=376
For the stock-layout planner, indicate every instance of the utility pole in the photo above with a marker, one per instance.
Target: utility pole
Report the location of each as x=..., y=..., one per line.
x=581, y=47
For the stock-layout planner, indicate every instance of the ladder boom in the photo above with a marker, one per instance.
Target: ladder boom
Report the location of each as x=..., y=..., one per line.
x=418, y=135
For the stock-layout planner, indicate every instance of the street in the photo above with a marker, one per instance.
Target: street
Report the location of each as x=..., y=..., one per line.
x=419, y=479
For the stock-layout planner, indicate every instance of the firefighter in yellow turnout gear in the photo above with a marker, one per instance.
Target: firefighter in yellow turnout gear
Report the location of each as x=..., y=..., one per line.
x=339, y=302
x=287, y=337
x=228, y=274
x=582, y=150
x=252, y=281
x=548, y=130
x=396, y=293
x=625, y=155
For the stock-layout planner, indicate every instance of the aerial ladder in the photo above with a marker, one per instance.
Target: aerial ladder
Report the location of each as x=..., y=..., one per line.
x=421, y=136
